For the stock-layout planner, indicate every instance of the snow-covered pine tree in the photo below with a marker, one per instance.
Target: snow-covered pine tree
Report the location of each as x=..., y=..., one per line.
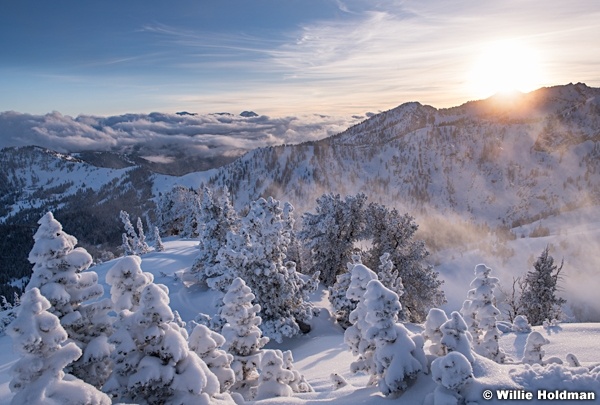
x=355, y=336
x=153, y=364
x=330, y=234
x=158, y=244
x=394, y=233
x=388, y=275
x=38, y=377
x=243, y=337
x=398, y=355
x=433, y=332
x=539, y=300
x=337, y=294
x=260, y=260
x=178, y=212
x=482, y=314
x=207, y=344
x=217, y=219
x=456, y=337
x=134, y=243
x=60, y=271
x=127, y=280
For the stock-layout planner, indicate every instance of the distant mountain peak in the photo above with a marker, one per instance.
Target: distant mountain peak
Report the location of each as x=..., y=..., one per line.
x=248, y=114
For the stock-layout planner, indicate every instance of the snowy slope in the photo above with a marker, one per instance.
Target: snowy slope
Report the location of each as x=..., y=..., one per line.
x=322, y=351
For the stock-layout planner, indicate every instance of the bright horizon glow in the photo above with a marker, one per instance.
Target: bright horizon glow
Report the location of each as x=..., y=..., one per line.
x=286, y=58
x=505, y=67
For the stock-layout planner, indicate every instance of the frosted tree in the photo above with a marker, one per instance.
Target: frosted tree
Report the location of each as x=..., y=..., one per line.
x=38, y=377
x=274, y=379
x=158, y=244
x=153, y=363
x=398, y=355
x=259, y=257
x=539, y=300
x=433, y=332
x=456, y=337
x=127, y=280
x=389, y=277
x=134, y=243
x=243, y=337
x=481, y=313
x=533, y=353
x=207, y=344
x=331, y=232
x=217, y=218
x=337, y=294
x=355, y=336
x=394, y=233
x=60, y=271
x=178, y=212
x=453, y=373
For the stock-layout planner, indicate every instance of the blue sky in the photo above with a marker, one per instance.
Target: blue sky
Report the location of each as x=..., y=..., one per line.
x=283, y=57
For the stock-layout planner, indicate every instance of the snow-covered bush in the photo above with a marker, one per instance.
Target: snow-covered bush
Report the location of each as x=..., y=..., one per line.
x=127, y=280
x=153, y=363
x=456, y=337
x=521, y=324
x=243, y=337
x=533, y=353
x=207, y=344
x=398, y=356
x=433, y=324
x=60, y=271
x=274, y=379
x=38, y=377
x=452, y=372
x=298, y=383
x=355, y=336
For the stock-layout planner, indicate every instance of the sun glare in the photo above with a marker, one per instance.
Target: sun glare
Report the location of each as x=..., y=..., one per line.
x=505, y=67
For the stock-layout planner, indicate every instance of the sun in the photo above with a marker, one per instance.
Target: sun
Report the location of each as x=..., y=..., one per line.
x=505, y=67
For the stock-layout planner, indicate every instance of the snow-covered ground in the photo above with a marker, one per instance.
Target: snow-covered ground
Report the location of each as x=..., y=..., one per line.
x=322, y=352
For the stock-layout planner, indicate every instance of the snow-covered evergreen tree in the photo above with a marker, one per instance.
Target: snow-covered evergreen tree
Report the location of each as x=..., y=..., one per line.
x=217, y=218
x=158, y=244
x=259, y=257
x=456, y=337
x=453, y=373
x=388, y=275
x=153, y=364
x=243, y=337
x=330, y=234
x=38, y=377
x=207, y=344
x=481, y=312
x=539, y=300
x=394, y=233
x=533, y=353
x=60, y=271
x=337, y=294
x=298, y=383
x=433, y=332
x=178, y=212
x=134, y=243
x=355, y=336
x=127, y=280
x=398, y=355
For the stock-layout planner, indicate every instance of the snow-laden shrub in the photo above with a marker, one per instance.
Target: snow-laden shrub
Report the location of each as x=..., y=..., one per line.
x=207, y=344
x=521, y=324
x=60, y=271
x=533, y=353
x=298, y=383
x=452, y=373
x=38, y=377
x=274, y=379
x=433, y=323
